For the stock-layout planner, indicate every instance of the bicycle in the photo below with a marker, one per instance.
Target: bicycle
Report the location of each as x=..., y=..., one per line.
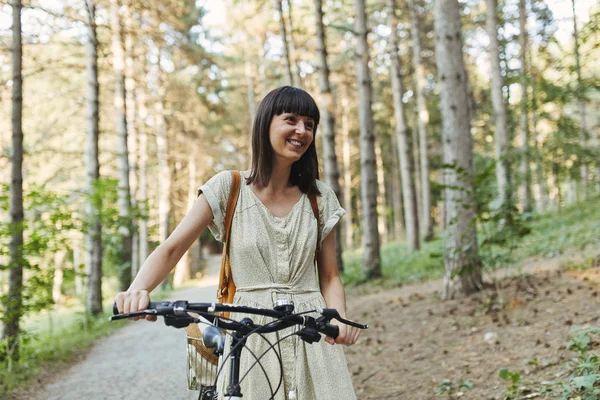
x=176, y=314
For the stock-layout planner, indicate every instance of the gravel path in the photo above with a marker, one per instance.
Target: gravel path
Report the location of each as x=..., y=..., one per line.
x=141, y=361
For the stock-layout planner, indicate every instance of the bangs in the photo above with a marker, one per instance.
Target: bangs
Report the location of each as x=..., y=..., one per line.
x=296, y=101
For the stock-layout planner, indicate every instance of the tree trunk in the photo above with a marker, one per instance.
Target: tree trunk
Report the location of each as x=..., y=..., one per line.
x=348, y=231
x=542, y=190
x=132, y=135
x=524, y=117
x=13, y=308
x=262, y=73
x=381, y=195
x=399, y=225
x=183, y=269
x=59, y=259
x=124, y=191
x=332, y=174
x=581, y=103
x=93, y=236
x=403, y=136
x=286, y=50
x=423, y=123
x=463, y=267
x=164, y=170
x=79, y=291
x=251, y=104
x=143, y=179
x=294, y=52
x=500, y=134
x=368, y=170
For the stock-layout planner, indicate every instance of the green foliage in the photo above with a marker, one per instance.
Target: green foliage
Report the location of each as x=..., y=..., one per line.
x=584, y=380
x=105, y=201
x=447, y=387
x=513, y=379
x=48, y=221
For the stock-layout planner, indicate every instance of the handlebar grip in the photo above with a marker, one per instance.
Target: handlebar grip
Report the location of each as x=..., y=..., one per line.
x=160, y=306
x=330, y=330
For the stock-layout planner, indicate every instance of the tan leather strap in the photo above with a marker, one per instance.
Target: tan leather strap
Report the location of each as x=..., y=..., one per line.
x=226, y=289
x=315, y=207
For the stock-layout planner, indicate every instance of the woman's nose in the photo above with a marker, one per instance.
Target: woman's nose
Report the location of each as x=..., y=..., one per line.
x=301, y=127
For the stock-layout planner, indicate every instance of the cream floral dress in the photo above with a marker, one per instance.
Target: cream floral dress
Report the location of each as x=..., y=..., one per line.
x=272, y=258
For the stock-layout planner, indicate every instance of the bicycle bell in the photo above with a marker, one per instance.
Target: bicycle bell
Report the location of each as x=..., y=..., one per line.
x=213, y=337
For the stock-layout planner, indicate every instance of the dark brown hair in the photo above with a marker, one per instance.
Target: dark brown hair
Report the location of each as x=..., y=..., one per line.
x=305, y=171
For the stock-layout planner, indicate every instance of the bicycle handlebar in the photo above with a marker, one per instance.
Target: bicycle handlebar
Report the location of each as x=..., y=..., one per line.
x=176, y=315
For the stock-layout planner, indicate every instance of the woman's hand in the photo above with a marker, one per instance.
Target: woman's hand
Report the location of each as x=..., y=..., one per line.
x=348, y=334
x=134, y=300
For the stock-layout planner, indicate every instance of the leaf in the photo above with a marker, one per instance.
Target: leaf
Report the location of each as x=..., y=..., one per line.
x=587, y=382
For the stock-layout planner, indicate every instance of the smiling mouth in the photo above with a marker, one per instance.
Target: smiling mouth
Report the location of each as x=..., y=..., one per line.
x=296, y=143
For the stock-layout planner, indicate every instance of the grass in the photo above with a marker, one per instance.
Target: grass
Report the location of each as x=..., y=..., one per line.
x=552, y=234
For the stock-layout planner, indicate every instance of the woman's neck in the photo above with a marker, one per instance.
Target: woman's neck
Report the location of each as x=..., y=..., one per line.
x=280, y=178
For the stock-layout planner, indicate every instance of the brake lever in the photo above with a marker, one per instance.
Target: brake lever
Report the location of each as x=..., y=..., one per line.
x=329, y=313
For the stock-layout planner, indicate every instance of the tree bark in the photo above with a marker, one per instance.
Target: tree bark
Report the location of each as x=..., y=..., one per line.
x=262, y=73
x=501, y=133
x=462, y=264
x=381, y=195
x=399, y=225
x=423, y=123
x=524, y=117
x=251, y=104
x=542, y=195
x=59, y=258
x=93, y=237
x=581, y=103
x=294, y=53
x=132, y=134
x=403, y=136
x=286, y=49
x=124, y=199
x=183, y=269
x=347, y=163
x=143, y=178
x=164, y=171
x=332, y=174
x=368, y=170
x=13, y=308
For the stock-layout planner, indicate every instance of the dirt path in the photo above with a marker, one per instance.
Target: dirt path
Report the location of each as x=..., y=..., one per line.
x=141, y=361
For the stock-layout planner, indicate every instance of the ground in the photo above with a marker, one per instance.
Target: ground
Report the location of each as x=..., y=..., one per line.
x=521, y=321
x=415, y=344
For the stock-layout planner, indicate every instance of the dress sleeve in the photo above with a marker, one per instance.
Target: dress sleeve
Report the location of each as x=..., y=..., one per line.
x=330, y=211
x=216, y=190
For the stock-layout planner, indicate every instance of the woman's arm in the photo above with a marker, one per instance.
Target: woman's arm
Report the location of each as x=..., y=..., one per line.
x=333, y=290
x=162, y=260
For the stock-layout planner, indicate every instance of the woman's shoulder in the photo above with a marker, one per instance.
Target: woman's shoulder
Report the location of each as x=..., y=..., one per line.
x=324, y=188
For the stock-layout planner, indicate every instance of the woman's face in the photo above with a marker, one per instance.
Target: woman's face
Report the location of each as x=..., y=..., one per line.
x=290, y=136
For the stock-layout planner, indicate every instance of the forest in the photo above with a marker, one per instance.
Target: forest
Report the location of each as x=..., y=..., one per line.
x=462, y=138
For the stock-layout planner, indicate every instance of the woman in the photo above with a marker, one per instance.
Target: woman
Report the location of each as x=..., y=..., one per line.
x=274, y=236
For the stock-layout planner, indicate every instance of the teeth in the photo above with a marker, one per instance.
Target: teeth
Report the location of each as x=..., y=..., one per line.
x=296, y=143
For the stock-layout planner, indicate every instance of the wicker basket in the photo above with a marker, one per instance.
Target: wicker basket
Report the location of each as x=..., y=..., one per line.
x=202, y=364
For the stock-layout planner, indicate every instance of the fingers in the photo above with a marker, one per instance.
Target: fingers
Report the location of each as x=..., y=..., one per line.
x=348, y=335
x=133, y=300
